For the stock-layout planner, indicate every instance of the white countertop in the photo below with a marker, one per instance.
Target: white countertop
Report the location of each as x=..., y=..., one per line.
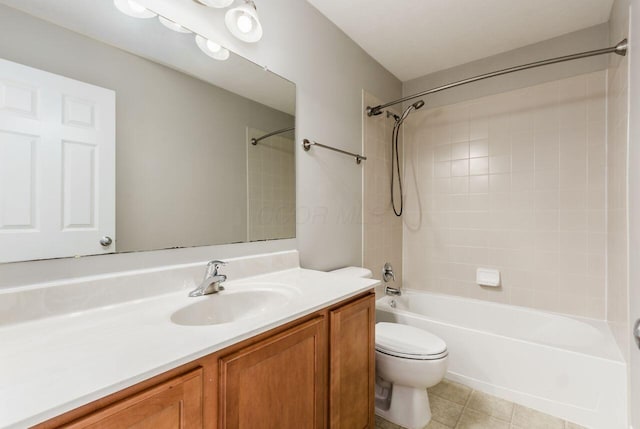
x=53, y=365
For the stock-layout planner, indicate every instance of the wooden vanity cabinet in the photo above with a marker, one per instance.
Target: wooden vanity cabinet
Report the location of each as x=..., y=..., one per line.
x=313, y=373
x=352, y=365
x=174, y=404
x=277, y=383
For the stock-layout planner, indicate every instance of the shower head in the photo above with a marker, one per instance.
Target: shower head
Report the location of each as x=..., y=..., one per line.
x=395, y=154
x=415, y=106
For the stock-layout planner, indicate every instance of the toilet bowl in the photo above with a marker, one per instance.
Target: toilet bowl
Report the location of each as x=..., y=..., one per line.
x=408, y=361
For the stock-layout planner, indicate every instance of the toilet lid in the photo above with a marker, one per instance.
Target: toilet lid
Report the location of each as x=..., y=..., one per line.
x=354, y=272
x=407, y=341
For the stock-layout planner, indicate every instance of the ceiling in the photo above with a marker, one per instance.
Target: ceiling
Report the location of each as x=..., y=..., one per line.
x=412, y=38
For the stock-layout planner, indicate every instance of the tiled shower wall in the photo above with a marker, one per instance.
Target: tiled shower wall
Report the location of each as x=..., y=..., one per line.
x=617, y=155
x=382, y=235
x=514, y=181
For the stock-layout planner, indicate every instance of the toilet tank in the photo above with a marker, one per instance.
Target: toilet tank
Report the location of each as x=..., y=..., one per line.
x=361, y=272
x=354, y=272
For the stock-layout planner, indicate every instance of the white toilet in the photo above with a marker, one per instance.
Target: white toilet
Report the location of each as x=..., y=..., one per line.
x=408, y=361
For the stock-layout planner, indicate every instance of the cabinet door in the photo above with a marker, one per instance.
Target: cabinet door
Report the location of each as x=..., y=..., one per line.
x=278, y=383
x=352, y=365
x=174, y=404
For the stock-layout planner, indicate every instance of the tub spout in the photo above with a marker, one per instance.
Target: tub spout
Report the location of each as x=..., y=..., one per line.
x=392, y=291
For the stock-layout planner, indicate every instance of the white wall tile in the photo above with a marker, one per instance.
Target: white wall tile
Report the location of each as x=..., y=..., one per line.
x=518, y=183
x=615, y=223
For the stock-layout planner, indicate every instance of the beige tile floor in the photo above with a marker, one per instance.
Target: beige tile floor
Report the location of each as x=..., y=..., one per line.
x=455, y=406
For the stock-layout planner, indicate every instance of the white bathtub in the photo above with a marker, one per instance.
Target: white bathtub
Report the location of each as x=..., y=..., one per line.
x=564, y=366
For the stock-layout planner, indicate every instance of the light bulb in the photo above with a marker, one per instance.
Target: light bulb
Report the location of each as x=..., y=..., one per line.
x=212, y=49
x=213, y=46
x=245, y=23
x=136, y=7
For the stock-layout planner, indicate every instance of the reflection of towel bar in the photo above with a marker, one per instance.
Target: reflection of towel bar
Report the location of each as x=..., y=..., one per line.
x=255, y=141
x=307, y=145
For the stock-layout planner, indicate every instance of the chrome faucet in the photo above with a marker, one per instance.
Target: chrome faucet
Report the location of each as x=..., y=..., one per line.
x=211, y=283
x=387, y=275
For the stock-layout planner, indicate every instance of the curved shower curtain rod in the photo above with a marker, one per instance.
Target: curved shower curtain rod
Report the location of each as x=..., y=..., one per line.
x=254, y=141
x=620, y=49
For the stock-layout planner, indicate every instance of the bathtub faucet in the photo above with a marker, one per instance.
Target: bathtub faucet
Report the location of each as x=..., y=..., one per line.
x=393, y=291
x=387, y=275
x=387, y=272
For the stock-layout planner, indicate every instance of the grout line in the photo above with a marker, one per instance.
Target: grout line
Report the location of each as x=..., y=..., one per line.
x=464, y=408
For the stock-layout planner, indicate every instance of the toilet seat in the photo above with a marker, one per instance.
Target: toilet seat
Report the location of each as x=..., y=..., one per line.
x=408, y=342
x=413, y=357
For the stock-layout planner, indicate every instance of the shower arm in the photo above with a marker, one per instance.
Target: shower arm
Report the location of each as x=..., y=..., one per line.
x=620, y=49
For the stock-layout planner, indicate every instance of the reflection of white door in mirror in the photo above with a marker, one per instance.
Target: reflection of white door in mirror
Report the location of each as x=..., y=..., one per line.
x=57, y=149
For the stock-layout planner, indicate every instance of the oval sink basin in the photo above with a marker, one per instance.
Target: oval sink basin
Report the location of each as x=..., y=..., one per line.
x=230, y=306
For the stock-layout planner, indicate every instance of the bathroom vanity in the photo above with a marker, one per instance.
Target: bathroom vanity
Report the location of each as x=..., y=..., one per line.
x=279, y=347
x=314, y=372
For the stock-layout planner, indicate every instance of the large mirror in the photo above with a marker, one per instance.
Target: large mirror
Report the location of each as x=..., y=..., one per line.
x=118, y=135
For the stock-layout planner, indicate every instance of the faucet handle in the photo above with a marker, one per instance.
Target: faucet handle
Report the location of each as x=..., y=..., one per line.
x=213, y=266
x=387, y=272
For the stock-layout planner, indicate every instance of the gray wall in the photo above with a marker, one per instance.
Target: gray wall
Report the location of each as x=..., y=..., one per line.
x=330, y=72
x=180, y=142
x=584, y=40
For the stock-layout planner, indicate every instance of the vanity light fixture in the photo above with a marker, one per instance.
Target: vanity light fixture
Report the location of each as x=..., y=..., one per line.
x=134, y=9
x=211, y=48
x=242, y=21
x=172, y=25
x=216, y=3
